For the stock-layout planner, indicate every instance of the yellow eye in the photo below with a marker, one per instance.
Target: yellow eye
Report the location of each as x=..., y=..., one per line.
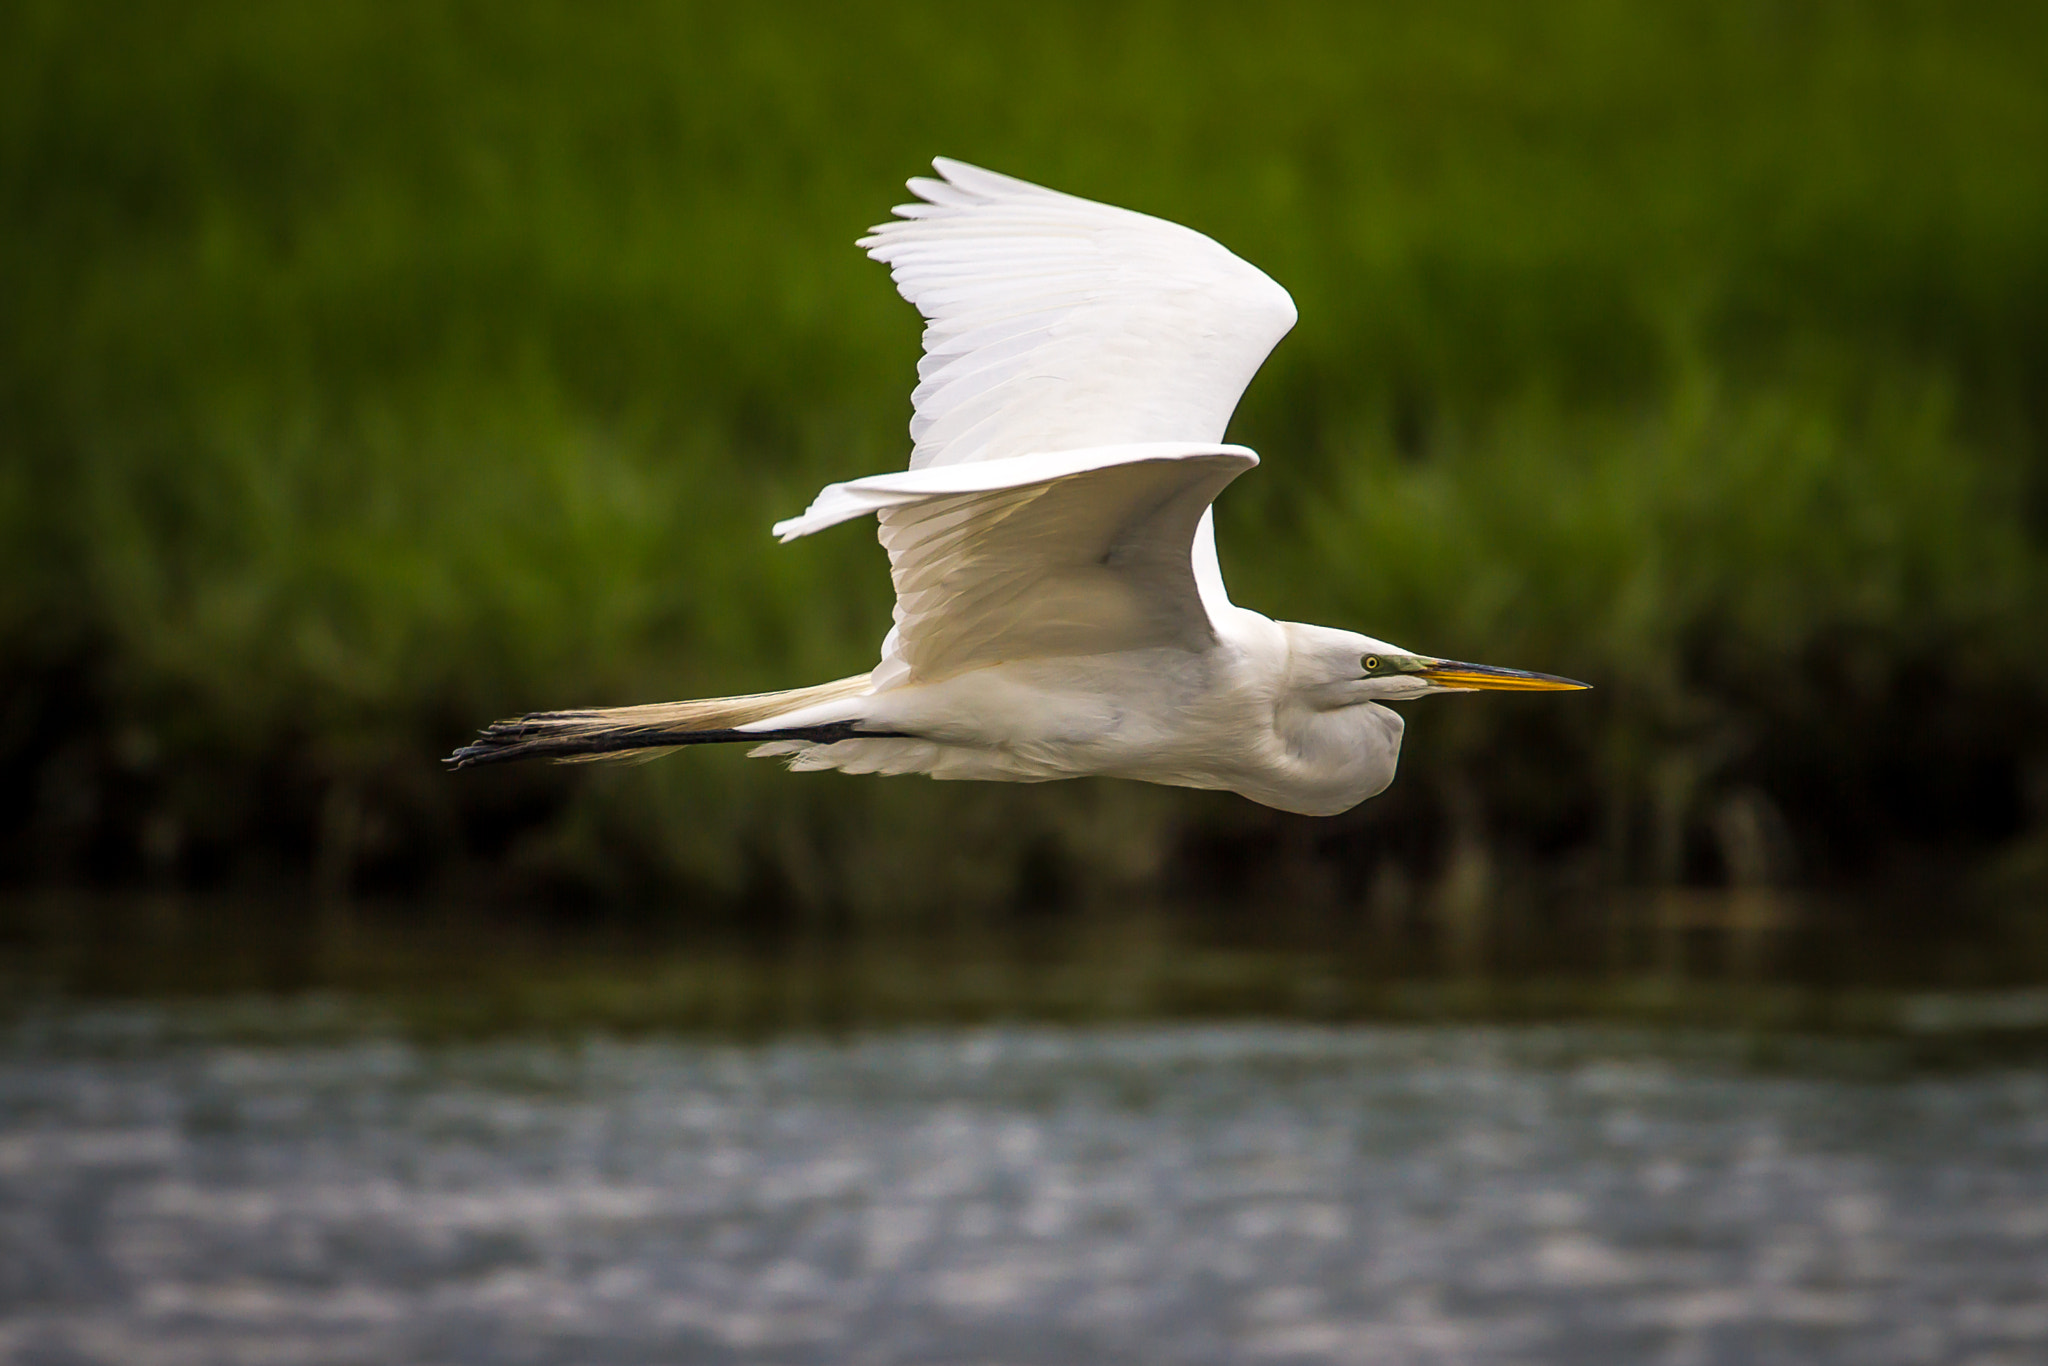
x=1371, y=662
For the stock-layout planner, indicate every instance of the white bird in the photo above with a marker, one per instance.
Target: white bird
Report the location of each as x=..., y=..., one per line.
x=1059, y=607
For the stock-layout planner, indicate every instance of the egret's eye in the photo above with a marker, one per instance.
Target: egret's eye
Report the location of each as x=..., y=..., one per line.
x=1372, y=662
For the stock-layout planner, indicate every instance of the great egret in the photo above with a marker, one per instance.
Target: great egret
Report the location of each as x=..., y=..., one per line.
x=1059, y=607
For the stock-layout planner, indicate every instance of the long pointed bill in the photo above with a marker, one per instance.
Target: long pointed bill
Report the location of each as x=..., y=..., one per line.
x=1447, y=673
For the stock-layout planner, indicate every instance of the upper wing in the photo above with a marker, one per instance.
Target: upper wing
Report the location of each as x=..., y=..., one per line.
x=1054, y=322
x=1071, y=553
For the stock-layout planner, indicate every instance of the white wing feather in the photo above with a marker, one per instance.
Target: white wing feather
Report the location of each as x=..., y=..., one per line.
x=1081, y=363
x=1037, y=556
x=1068, y=553
x=1087, y=563
x=1054, y=322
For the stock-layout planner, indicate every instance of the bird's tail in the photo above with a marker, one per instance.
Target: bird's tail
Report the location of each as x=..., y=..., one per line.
x=645, y=731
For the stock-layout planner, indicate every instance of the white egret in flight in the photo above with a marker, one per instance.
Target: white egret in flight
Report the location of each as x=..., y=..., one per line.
x=1059, y=607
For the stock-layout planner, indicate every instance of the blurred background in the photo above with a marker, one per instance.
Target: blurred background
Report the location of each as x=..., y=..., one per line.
x=370, y=372
x=373, y=374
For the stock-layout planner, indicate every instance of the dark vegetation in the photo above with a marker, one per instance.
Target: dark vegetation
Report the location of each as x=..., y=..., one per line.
x=371, y=372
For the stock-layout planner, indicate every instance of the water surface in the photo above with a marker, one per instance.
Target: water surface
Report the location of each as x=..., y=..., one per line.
x=173, y=1190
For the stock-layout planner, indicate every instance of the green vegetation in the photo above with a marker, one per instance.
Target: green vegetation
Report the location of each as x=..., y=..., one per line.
x=369, y=372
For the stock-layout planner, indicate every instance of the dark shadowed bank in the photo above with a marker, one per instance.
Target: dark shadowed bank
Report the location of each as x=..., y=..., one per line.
x=370, y=373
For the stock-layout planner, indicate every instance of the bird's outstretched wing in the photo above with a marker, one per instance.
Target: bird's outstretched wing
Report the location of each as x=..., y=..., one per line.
x=1068, y=553
x=1081, y=363
x=1054, y=323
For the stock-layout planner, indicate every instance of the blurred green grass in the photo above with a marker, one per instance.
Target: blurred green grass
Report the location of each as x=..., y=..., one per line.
x=369, y=372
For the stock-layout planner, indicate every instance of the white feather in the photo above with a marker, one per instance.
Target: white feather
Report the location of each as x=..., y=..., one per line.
x=1084, y=324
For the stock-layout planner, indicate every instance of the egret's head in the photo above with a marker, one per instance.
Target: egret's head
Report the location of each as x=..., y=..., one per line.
x=1332, y=668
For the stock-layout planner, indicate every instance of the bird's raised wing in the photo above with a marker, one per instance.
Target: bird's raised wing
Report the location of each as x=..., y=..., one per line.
x=1071, y=553
x=1055, y=323
x=1081, y=363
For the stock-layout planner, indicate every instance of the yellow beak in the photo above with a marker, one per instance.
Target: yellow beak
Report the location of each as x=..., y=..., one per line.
x=1447, y=673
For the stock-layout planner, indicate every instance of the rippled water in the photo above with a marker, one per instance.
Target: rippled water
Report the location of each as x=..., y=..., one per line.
x=1160, y=1194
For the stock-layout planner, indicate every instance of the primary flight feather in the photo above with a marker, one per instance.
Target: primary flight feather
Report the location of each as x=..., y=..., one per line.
x=1059, y=607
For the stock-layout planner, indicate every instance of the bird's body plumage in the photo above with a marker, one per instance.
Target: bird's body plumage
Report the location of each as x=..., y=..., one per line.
x=1060, y=610
x=1219, y=718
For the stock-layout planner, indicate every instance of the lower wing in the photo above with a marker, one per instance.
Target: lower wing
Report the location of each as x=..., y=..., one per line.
x=1067, y=553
